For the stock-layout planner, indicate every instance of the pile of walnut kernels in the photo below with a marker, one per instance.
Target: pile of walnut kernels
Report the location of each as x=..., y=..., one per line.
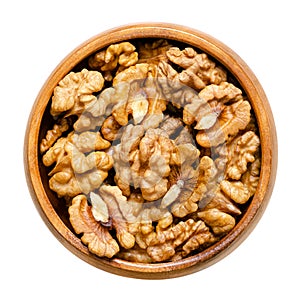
x=153, y=151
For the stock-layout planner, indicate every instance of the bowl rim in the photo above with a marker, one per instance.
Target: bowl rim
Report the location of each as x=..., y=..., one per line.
x=259, y=103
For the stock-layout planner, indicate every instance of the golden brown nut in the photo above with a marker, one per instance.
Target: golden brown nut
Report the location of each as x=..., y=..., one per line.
x=122, y=100
x=138, y=72
x=54, y=134
x=175, y=91
x=135, y=92
x=135, y=254
x=143, y=226
x=97, y=110
x=65, y=184
x=201, y=237
x=103, y=104
x=195, y=187
x=87, y=122
x=235, y=190
x=198, y=71
x=122, y=155
x=241, y=151
x=251, y=177
x=222, y=203
x=206, y=108
x=74, y=91
x=112, y=195
x=220, y=222
x=89, y=141
x=94, y=235
x=110, y=129
x=241, y=191
x=147, y=167
x=82, y=163
x=163, y=243
x=233, y=118
x=153, y=52
x=74, y=172
x=136, y=105
x=55, y=153
x=122, y=54
x=155, y=152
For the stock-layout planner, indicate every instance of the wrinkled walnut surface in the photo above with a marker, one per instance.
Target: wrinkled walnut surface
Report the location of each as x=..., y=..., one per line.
x=153, y=150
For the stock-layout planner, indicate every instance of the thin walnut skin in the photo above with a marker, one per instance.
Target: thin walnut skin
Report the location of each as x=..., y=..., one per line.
x=153, y=150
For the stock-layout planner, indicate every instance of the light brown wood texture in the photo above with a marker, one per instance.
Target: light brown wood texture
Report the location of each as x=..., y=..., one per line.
x=55, y=215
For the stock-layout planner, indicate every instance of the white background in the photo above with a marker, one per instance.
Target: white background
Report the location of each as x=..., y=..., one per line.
x=35, y=36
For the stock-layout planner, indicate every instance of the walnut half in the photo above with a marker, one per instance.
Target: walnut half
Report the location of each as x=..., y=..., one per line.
x=95, y=236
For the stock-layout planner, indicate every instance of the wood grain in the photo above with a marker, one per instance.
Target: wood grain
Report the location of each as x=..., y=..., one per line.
x=55, y=216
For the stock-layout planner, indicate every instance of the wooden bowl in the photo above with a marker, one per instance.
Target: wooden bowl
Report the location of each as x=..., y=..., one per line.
x=55, y=214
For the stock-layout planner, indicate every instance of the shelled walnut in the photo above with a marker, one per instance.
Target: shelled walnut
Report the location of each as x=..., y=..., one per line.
x=154, y=150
